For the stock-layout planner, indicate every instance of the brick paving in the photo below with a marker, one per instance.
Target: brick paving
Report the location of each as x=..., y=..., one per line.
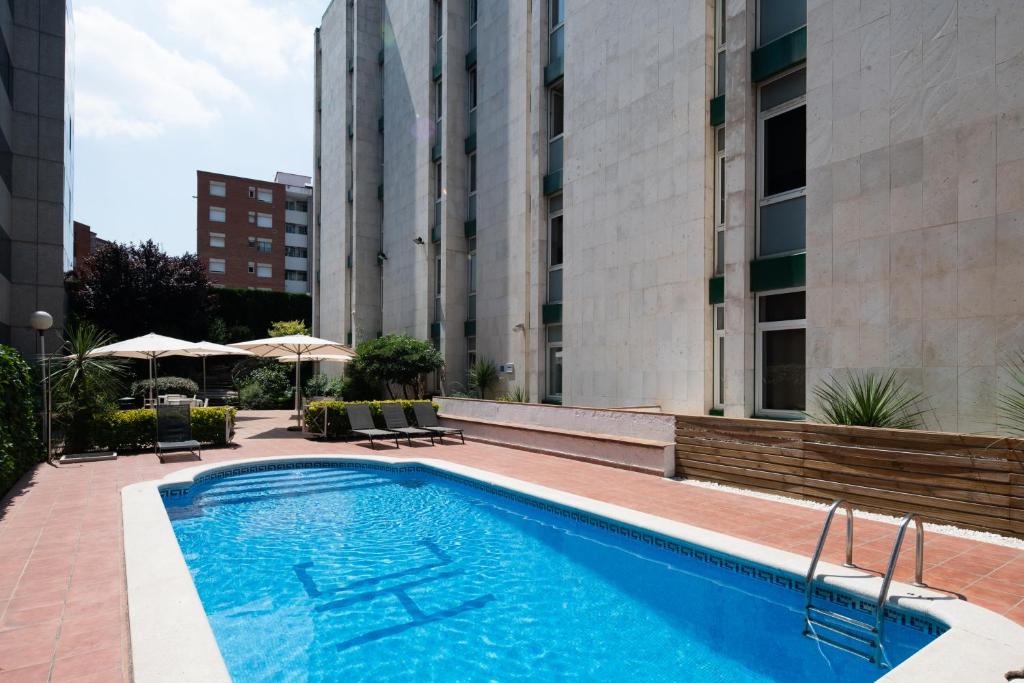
x=63, y=610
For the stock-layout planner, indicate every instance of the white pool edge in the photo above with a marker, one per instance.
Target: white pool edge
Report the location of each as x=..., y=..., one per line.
x=166, y=616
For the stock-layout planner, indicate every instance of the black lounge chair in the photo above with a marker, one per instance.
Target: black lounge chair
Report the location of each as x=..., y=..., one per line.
x=174, y=432
x=426, y=418
x=361, y=422
x=394, y=418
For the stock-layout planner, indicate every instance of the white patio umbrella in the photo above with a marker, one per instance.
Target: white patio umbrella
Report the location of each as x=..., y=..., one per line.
x=299, y=346
x=150, y=347
x=204, y=349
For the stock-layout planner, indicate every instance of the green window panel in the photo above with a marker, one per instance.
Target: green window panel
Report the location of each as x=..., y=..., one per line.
x=552, y=182
x=717, y=111
x=469, y=328
x=778, y=273
x=435, y=151
x=435, y=233
x=470, y=228
x=471, y=143
x=551, y=314
x=471, y=58
x=435, y=330
x=435, y=72
x=716, y=412
x=779, y=55
x=380, y=192
x=380, y=124
x=716, y=290
x=380, y=57
x=554, y=71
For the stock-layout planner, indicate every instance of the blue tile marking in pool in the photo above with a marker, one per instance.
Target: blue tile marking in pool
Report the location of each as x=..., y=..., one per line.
x=840, y=598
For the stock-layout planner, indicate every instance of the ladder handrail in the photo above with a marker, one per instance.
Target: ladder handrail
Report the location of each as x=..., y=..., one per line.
x=809, y=578
x=891, y=569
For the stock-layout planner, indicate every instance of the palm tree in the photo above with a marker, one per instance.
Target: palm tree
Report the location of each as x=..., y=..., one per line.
x=482, y=376
x=83, y=385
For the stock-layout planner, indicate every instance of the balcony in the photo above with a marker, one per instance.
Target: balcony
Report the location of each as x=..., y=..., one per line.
x=296, y=286
x=296, y=263
x=293, y=240
x=556, y=57
x=297, y=217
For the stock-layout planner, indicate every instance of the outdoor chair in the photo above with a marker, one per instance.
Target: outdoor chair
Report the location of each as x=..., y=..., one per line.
x=174, y=432
x=361, y=422
x=394, y=418
x=426, y=418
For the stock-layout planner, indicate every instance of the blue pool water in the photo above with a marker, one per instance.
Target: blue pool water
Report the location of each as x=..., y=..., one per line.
x=379, y=574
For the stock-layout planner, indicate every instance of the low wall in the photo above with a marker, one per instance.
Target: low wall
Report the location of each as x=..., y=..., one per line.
x=966, y=480
x=635, y=440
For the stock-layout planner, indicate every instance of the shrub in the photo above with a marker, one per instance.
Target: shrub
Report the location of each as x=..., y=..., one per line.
x=1011, y=398
x=482, y=376
x=135, y=430
x=397, y=359
x=868, y=400
x=516, y=394
x=266, y=387
x=286, y=328
x=324, y=385
x=337, y=418
x=20, y=446
x=164, y=385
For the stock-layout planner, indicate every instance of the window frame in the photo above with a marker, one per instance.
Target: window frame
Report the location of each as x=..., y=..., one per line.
x=220, y=184
x=720, y=46
x=471, y=277
x=550, y=346
x=759, y=328
x=551, y=268
x=289, y=247
x=268, y=266
x=223, y=264
x=223, y=213
x=437, y=287
x=718, y=357
x=762, y=201
x=720, y=204
x=757, y=26
x=269, y=220
x=221, y=237
x=259, y=193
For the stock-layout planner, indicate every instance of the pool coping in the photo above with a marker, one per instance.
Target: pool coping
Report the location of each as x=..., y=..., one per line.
x=166, y=616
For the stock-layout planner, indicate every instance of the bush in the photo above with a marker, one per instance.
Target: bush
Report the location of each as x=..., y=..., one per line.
x=248, y=313
x=397, y=359
x=20, y=446
x=266, y=387
x=134, y=430
x=164, y=385
x=324, y=385
x=337, y=418
x=868, y=400
x=482, y=376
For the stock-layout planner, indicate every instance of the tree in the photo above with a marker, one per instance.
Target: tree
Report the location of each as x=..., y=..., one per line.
x=132, y=289
x=285, y=328
x=397, y=359
x=482, y=376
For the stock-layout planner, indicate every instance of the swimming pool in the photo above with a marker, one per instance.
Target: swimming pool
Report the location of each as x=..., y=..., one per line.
x=341, y=570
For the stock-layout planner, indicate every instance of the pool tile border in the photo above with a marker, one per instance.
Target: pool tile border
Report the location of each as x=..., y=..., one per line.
x=167, y=617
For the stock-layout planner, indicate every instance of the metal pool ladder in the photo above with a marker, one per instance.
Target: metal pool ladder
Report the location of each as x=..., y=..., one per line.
x=860, y=638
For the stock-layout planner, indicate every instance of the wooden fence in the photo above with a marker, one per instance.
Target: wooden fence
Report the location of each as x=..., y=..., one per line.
x=970, y=481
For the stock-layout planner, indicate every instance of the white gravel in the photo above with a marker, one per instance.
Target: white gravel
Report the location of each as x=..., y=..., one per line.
x=948, y=530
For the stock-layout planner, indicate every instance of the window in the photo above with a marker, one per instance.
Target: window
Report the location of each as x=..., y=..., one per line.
x=472, y=90
x=438, y=31
x=438, y=194
x=217, y=265
x=295, y=275
x=720, y=47
x=252, y=217
x=782, y=178
x=252, y=242
x=780, y=350
x=718, y=360
x=437, y=288
x=217, y=240
x=470, y=352
x=438, y=100
x=471, y=279
x=264, y=246
x=252, y=192
x=719, y=200
x=295, y=229
x=554, y=361
x=296, y=205
x=555, y=249
x=218, y=189
x=472, y=13
x=776, y=18
x=297, y=252
x=471, y=184
x=264, y=220
x=264, y=195
x=218, y=214
x=556, y=128
x=264, y=270
x=252, y=267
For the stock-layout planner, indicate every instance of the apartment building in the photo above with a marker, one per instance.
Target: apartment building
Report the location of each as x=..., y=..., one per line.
x=253, y=234
x=36, y=166
x=86, y=241
x=705, y=206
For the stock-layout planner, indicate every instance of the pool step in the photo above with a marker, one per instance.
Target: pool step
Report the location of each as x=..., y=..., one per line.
x=854, y=634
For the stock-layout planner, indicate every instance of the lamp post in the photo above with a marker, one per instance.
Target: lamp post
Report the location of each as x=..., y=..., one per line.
x=41, y=321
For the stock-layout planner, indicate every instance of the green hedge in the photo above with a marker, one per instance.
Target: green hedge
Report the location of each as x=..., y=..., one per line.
x=337, y=418
x=248, y=313
x=133, y=430
x=20, y=446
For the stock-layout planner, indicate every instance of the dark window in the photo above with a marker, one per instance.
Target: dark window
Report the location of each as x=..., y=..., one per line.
x=779, y=17
x=785, y=157
x=779, y=307
x=783, y=374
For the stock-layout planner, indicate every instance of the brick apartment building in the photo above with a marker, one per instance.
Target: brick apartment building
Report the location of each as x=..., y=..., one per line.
x=85, y=242
x=253, y=233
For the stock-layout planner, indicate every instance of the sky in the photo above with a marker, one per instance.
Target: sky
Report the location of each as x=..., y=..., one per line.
x=165, y=88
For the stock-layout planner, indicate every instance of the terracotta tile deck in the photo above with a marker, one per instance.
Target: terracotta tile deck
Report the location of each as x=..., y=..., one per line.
x=63, y=611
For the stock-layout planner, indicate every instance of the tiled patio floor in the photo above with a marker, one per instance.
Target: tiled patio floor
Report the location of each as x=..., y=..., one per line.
x=63, y=614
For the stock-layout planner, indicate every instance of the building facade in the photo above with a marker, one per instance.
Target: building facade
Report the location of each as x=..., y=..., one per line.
x=36, y=166
x=85, y=242
x=253, y=234
x=707, y=206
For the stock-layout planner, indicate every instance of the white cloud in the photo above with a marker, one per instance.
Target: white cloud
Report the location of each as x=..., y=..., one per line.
x=263, y=41
x=128, y=84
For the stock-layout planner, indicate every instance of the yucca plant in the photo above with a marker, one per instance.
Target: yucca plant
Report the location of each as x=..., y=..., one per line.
x=868, y=399
x=1011, y=399
x=482, y=376
x=84, y=386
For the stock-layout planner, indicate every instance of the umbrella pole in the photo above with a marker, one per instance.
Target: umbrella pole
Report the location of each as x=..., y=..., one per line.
x=150, y=364
x=204, y=377
x=298, y=365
